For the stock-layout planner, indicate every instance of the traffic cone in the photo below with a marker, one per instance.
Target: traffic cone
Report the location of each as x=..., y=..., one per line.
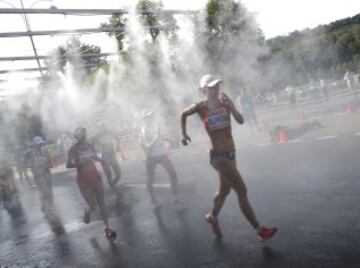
x=303, y=118
x=122, y=154
x=349, y=110
x=283, y=137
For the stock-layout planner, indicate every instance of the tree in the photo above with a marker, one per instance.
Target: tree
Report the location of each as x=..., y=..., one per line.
x=78, y=54
x=323, y=52
x=150, y=19
x=233, y=42
x=117, y=21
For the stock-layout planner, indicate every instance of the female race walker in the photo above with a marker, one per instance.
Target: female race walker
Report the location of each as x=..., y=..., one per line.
x=40, y=162
x=82, y=156
x=215, y=114
x=108, y=143
x=154, y=146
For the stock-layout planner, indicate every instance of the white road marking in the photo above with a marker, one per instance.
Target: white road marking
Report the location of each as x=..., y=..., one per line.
x=326, y=137
x=295, y=141
x=144, y=185
x=263, y=144
x=69, y=227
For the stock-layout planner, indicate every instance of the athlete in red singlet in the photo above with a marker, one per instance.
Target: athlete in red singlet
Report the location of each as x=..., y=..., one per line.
x=82, y=156
x=215, y=113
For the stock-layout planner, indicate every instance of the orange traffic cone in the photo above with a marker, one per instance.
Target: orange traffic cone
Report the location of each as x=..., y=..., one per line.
x=283, y=137
x=349, y=110
x=122, y=154
x=302, y=118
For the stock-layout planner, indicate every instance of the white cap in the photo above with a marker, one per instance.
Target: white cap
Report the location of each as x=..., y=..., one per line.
x=38, y=140
x=146, y=113
x=80, y=132
x=209, y=80
x=100, y=123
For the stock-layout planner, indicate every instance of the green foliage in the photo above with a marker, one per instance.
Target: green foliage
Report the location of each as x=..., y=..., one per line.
x=323, y=52
x=150, y=20
x=233, y=41
x=116, y=21
x=75, y=52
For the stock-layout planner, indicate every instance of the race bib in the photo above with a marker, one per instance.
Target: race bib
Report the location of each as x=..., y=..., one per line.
x=218, y=119
x=85, y=155
x=40, y=161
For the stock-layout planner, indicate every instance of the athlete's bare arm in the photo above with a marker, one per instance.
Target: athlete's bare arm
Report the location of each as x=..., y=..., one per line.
x=187, y=112
x=50, y=159
x=26, y=159
x=96, y=156
x=71, y=162
x=232, y=108
x=115, y=136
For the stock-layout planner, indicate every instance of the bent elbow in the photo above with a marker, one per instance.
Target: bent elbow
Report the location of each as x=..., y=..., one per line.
x=183, y=117
x=241, y=120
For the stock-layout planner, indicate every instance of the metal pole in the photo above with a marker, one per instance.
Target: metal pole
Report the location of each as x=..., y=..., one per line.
x=74, y=12
x=27, y=24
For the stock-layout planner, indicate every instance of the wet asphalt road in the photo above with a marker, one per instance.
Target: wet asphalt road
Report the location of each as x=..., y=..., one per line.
x=309, y=190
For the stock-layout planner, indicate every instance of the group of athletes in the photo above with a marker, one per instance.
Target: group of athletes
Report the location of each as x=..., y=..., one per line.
x=215, y=112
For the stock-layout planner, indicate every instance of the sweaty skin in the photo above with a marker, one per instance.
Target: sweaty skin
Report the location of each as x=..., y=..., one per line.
x=108, y=142
x=154, y=148
x=40, y=162
x=222, y=141
x=82, y=156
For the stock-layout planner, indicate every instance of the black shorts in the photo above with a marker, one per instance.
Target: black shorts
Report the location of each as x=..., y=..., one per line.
x=216, y=155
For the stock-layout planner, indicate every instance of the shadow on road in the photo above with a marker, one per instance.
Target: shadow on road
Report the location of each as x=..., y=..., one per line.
x=110, y=257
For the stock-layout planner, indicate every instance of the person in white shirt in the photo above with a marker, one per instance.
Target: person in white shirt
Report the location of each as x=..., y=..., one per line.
x=155, y=148
x=349, y=78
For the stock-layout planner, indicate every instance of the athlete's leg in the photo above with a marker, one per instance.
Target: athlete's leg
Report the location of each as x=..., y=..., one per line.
x=220, y=196
x=89, y=197
x=21, y=175
x=49, y=190
x=100, y=199
x=116, y=169
x=40, y=183
x=6, y=190
x=169, y=167
x=107, y=170
x=150, y=171
x=26, y=175
x=228, y=171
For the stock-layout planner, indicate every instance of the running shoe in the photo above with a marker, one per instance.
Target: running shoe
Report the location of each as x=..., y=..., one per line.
x=266, y=233
x=87, y=216
x=213, y=221
x=109, y=233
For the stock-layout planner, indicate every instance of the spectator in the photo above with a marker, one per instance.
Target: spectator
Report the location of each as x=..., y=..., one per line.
x=349, y=77
x=248, y=109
